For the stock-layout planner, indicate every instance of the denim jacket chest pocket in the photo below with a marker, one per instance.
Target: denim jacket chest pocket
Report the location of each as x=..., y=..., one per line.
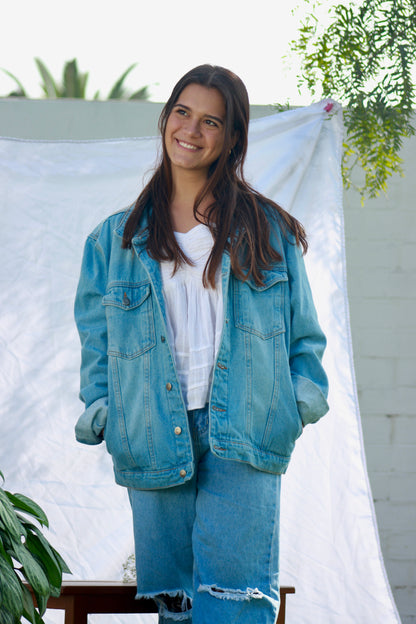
x=130, y=320
x=260, y=309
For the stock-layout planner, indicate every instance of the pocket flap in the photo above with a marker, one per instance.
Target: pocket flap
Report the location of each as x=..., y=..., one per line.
x=127, y=297
x=269, y=278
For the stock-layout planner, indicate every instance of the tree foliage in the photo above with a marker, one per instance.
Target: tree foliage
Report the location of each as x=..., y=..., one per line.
x=74, y=84
x=364, y=59
x=25, y=555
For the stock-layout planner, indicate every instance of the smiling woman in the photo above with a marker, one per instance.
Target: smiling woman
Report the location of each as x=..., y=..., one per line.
x=204, y=363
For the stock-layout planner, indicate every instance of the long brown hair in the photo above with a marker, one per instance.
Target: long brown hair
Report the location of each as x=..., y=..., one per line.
x=237, y=217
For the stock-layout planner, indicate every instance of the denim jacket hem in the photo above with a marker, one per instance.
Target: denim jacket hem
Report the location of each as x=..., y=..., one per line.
x=154, y=479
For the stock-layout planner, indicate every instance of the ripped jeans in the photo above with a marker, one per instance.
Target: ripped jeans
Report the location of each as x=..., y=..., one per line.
x=207, y=551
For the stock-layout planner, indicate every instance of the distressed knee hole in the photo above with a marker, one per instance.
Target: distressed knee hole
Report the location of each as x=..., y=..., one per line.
x=232, y=594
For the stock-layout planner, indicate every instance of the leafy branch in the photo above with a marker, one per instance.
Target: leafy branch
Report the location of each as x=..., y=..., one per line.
x=364, y=59
x=25, y=555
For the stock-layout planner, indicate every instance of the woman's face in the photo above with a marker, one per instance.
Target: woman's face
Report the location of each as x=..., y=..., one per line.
x=195, y=129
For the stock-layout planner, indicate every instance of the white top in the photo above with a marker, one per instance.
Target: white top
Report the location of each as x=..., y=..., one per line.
x=194, y=315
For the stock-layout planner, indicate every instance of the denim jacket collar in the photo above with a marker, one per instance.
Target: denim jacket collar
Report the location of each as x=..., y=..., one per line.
x=139, y=240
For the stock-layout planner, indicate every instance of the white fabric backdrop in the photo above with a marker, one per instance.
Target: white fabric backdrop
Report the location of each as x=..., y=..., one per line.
x=52, y=195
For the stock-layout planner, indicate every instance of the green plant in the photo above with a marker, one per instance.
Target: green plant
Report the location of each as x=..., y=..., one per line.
x=364, y=59
x=119, y=92
x=74, y=84
x=25, y=555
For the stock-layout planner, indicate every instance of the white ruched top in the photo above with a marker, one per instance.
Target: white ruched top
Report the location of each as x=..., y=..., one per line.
x=194, y=316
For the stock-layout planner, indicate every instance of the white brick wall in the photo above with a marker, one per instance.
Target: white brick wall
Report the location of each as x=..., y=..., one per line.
x=381, y=265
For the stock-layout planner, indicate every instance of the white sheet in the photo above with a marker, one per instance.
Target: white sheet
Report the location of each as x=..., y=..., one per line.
x=52, y=194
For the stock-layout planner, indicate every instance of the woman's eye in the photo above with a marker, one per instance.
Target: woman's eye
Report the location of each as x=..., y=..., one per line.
x=210, y=122
x=181, y=111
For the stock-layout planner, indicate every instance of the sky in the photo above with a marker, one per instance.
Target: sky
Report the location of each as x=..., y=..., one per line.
x=165, y=37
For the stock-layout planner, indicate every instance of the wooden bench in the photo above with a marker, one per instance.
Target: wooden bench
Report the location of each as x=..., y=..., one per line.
x=79, y=598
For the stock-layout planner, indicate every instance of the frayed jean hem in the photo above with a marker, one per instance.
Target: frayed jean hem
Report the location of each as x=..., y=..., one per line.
x=166, y=615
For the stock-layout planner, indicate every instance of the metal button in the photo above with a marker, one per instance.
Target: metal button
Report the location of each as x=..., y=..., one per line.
x=183, y=473
x=168, y=386
x=162, y=338
x=126, y=300
x=178, y=430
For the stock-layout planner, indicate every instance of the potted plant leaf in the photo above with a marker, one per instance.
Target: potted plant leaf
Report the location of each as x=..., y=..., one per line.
x=26, y=559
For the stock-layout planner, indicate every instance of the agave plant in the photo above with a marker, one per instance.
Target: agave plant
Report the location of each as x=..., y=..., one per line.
x=26, y=558
x=74, y=84
x=20, y=91
x=119, y=92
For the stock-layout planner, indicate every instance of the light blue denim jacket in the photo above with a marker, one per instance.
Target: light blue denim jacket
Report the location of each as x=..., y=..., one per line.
x=267, y=379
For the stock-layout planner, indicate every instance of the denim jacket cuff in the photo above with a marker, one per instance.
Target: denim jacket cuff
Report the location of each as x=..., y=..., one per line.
x=90, y=426
x=310, y=400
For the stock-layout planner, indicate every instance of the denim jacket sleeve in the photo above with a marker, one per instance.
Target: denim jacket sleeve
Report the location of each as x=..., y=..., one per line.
x=307, y=343
x=92, y=327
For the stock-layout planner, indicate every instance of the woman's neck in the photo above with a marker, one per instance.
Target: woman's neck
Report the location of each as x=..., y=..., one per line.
x=182, y=204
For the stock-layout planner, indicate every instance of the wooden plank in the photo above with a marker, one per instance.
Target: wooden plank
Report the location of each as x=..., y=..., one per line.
x=80, y=598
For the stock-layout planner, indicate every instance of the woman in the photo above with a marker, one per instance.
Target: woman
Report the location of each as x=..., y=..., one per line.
x=201, y=361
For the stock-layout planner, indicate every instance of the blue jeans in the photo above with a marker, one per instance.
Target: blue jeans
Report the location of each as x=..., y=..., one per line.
x=208, y=550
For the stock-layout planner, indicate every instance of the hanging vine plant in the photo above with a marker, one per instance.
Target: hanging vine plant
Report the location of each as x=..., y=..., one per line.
x=364, y=59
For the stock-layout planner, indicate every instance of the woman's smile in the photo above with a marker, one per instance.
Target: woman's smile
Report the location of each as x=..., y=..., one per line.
x=187, y=146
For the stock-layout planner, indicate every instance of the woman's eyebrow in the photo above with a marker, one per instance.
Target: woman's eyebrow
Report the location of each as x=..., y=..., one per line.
x=221, y=121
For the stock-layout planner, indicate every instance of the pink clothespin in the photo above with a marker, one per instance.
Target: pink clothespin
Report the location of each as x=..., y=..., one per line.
x=329, y=107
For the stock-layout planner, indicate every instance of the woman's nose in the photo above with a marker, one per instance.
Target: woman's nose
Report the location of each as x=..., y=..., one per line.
x=193, y=128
